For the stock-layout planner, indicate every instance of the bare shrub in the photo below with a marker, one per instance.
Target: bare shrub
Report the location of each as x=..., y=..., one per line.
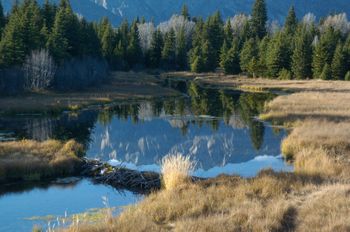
x=39, y=70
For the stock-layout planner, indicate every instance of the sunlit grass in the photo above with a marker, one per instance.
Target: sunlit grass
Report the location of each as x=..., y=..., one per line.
x=176, y=170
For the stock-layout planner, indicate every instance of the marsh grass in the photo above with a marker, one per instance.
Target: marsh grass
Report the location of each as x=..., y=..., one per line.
x=226, y=203
x=319, y=147
x=31, y=160
x=176, y=170
x=316, y=197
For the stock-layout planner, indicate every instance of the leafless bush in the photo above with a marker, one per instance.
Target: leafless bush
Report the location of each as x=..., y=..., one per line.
x=339, y=22
x=177, y=23
x=146, y=31
x=39, y=70
x=238, y=22
x=309, y=19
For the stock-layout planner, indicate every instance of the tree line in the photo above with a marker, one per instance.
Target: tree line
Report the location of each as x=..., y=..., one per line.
x=56, y=48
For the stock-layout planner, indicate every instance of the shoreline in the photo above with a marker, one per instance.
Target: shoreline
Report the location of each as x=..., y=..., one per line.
x=271, y=201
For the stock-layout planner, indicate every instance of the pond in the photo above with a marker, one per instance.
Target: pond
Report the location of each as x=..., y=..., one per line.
x=218, y=129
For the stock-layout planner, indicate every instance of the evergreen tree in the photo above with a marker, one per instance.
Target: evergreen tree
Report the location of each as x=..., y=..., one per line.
x=339, y=63
x=347, y=76
x=107, y=43
x=156, y=49
x=263, y=48
x=302, y=55
x=12, y=46
x=230, y=63
x=181, y=50
x=49, y=12
x=228, y=34
x=120, y=56
x=65, y=40
x=259, y=19
x=324, y=51
x=213, y=35
x=134, y=51
x=184, y=12
x=2, y=19
x=223, y=54
x=326, y=73
x=169, y=50
x=291, y=23
x=278, y=57
x=249, y=57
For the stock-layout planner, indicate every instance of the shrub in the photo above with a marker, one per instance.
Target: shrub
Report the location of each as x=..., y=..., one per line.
x=176, y=170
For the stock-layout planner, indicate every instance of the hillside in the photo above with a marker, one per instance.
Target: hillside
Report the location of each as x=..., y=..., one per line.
x=161, y=10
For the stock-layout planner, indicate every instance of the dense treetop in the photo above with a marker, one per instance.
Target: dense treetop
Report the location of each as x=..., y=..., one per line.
x=301, y=48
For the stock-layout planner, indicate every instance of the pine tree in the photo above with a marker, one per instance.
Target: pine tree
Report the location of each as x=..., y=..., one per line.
x=302, y=55
x=2, y=19
x=347, y=76
x=249, y=56
x=214, y=35
x=339, y=63
x=324, y=51
x=263, y=52
x=65, y=40
x=291, y=23
x=169, y=50
x=259, y=19
x=12, y=46
x=184, y=12
x=326, y=73
x=228, y=34
x=278, y=57
x=197, y=65
x=49, y=12
x=134, y=51
x=156, y=49
x=231, y=62
x=181, y=50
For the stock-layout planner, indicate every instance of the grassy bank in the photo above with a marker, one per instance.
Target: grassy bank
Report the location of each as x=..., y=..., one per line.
x=313, y=198
x=121, y=86
x=30, y=160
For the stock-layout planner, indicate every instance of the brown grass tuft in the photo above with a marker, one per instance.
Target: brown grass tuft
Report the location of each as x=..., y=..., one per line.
x=176, y=170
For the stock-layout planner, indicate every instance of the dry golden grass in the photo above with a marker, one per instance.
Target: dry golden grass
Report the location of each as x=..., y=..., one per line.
x=32, y=160
x=327, y=210
x=258, y=84
x=316, y=197
x=176, y=170
x=331, y=106
x=222, y=204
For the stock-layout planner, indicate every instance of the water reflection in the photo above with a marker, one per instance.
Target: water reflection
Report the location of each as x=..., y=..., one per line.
x=39, y=204
x=215, y=127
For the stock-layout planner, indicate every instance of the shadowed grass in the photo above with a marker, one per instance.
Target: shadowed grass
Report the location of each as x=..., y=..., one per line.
x=32, y=160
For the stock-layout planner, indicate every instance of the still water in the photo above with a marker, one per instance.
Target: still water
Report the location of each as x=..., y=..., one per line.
x=218, y=129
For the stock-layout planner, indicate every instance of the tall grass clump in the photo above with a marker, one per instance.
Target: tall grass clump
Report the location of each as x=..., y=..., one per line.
x=32, y=160
x=176, y=170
